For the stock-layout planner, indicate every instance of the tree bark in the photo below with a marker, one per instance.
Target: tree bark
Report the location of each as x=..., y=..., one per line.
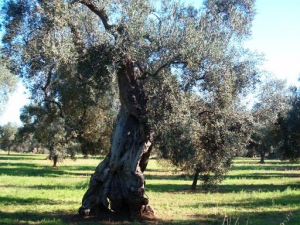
x=262, y=158
x=118, y=182
x=55, y=160
x=196, y=176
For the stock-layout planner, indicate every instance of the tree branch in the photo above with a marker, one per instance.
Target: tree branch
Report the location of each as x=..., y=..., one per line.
x=203, y=112
x=48, y=79
x=99, y=12
x=162, y=67
x=58, y=105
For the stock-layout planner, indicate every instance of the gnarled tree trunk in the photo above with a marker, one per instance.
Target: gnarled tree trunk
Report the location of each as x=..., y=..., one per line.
x=118, y=182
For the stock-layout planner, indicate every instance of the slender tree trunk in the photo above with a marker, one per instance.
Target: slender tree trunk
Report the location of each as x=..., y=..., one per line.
x=262, y=158
x=55, y=160
x=196, y=176
x=118, y=181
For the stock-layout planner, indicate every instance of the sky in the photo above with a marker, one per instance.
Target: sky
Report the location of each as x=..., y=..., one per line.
x=275, y=32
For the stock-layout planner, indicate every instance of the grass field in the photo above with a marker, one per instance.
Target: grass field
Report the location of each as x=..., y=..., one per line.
x=32, y=192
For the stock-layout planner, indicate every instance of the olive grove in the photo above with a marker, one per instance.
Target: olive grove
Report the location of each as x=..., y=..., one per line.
x=128, y=76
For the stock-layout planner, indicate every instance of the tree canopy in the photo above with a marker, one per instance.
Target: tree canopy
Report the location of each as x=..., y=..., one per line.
x=288, y=129
x=175, y=74
x=271, y=102
x=68, y=53
x=7, y=136
x=8, y=84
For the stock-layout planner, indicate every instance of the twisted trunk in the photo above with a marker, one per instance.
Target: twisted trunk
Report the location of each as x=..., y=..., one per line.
x=118, y=182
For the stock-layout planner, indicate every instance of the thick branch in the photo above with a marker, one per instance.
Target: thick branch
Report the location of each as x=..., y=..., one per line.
x=99, y=12
x=203, y=112
x=58, y=105
x=49, y=77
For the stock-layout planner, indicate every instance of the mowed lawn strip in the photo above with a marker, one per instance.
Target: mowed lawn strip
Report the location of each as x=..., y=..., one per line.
x=32, y=192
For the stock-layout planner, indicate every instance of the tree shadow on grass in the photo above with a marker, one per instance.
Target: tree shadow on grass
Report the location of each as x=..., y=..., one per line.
x=167, y=187
x=257, y=187
x=264, y=176
x=264, y=167
x=250, y=217
x=78, y=186
x=246, y=211
x=32, y=169
x=214, y=218
x=186, y=188
x=101, y=219
x=222, y=188
x=104, y=218
x=253, y=202
x=246, y=217
x=28, y=156
x=166, y=177
x=29, y=169
x=32, y=201
x=30, y=218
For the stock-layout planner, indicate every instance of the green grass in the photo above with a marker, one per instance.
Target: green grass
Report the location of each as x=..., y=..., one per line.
x=32, y=192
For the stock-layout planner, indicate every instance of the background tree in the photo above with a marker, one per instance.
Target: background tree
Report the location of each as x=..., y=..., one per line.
x=224, y=136
x=60, y=72
x=195, y=123
x=26, y=142
x=7, y=136
x=8, y=84
x=75, y=54
x=54, y=136
x=272, y=101
x=288, y=130
x=206, y=139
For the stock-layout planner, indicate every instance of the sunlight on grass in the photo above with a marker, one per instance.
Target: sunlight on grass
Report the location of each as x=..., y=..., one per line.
x=32, y=192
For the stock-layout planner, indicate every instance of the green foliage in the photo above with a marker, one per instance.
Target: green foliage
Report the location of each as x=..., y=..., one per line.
x=194, y=101
x=272, y=101
x=224, y=136
x=288, y=130
x=69, y=81
x=194, y=70
x=8, y=83
x=7, y=135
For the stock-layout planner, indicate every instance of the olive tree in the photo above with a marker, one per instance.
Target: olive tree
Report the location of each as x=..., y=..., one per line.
x=288, y=129
x=8, y=84
x=76, y=55
x=272, y=101
x=7, y=136
x=206, y=137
